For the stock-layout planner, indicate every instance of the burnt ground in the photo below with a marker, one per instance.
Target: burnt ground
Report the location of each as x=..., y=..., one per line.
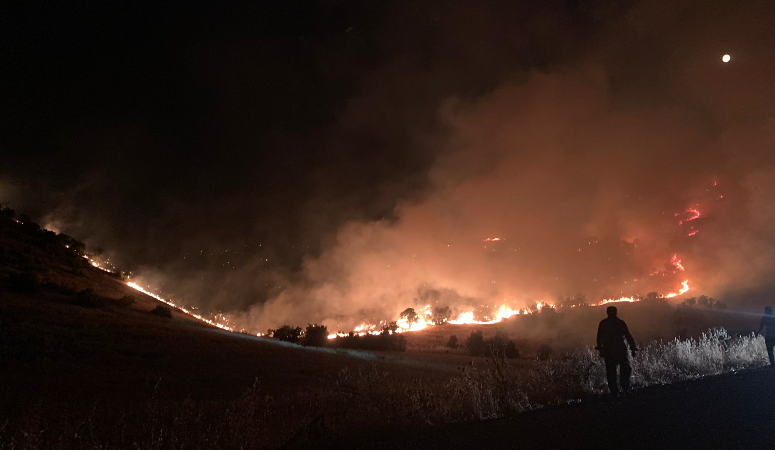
x=722, y=412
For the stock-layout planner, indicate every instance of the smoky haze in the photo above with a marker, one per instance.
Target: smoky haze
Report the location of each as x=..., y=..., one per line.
x=346, y=166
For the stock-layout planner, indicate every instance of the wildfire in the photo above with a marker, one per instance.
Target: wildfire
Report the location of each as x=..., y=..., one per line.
x=684, y=289
x=424, y=318
x=617, y=300
x=677, y=263
x=695, y=214
x=137, y=287
x=504, y=312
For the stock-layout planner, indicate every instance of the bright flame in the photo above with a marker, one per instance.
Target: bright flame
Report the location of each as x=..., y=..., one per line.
x=684, y=289
x=677, y=262
x=616, y=300
x=504, y=312
x=695, y=215
x=492, y=239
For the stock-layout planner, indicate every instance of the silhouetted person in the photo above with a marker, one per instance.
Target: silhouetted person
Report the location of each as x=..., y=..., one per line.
x=768, y=322
x=611, y=334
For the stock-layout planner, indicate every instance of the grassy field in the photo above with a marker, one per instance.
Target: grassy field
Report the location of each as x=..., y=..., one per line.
x=93, y=371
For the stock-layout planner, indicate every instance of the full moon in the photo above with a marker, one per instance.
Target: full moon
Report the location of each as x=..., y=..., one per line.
x=726, y=58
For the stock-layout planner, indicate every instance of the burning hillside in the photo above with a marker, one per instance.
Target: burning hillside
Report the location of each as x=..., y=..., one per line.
x=547, y=190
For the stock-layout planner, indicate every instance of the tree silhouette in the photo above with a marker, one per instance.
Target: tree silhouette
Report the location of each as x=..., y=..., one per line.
x=410, y=315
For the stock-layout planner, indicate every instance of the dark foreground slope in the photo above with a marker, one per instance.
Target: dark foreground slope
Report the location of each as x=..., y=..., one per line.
x=85, y=364
x=721, y=412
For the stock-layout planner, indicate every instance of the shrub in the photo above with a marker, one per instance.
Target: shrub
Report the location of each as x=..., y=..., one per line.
x=315, y=336
x=391, y=327
x=287, y=333
x=511, y=352
x=384, y=341
x=162, y=311
x=442, y=315
x=475, y=344
x=544, y=352
x=452, y=342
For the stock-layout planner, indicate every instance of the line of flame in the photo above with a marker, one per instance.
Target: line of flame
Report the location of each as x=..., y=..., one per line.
x=137, y=287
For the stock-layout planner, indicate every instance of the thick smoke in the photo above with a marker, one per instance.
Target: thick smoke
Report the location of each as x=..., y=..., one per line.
x=583, y=194
x=578, y=134
x=585, y=174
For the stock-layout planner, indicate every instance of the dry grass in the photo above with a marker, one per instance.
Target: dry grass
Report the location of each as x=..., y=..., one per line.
x=367, y=397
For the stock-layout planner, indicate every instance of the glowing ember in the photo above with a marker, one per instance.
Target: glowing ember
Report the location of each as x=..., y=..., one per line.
x=677, y=263
x=492, y=239
x=695, y=214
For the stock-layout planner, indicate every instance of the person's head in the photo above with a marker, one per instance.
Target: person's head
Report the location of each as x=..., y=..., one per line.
x=611, y=311
x=768, y=310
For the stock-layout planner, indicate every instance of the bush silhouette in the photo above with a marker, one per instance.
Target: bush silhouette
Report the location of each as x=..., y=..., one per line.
x=442, y=315
x=391, y=326
x=475, y=344
x=315, y=336
x=384, y=341
x=452, y=342
x=287, y=333
x=512, y=352
x=162, y=311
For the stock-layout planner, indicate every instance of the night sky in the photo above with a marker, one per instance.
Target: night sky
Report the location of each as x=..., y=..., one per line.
x=266, y=153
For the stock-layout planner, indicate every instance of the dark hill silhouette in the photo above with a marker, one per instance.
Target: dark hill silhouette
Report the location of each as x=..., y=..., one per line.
x=80, y=351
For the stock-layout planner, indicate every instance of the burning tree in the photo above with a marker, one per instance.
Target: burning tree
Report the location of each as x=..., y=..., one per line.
x=286, y=333
x=391, y=327
x=442, y=315
x=410, y=315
